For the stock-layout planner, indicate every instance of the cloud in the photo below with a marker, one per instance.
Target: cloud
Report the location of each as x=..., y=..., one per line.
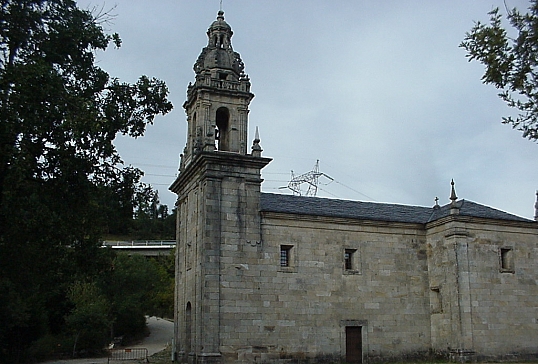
x=379, y=92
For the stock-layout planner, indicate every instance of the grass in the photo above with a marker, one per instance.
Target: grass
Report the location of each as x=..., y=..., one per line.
x=165, y=357
x=162, y=357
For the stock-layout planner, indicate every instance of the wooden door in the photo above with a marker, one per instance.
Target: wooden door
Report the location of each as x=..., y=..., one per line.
x=354, y=344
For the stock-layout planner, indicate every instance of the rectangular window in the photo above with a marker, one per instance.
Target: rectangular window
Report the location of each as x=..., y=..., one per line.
x=506, y=260
x=436, y=302
x=348, y=259
x=285, y=255
x=351, y=261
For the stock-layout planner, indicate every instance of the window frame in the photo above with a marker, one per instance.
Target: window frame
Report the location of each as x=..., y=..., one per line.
x=351, y=265
x=436, y=300
x=285, y=252
x=506, y=259
x=290, y=258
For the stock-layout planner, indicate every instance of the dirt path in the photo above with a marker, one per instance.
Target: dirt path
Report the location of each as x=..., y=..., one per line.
x=161, y=333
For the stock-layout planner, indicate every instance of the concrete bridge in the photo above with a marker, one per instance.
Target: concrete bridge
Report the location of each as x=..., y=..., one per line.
x=149, y=248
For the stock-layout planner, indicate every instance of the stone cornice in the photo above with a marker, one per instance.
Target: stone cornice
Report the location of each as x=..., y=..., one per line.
x=213, y=164
x=195, y=90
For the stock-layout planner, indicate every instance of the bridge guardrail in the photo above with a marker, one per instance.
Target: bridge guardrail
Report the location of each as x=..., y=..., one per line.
x=140, y=243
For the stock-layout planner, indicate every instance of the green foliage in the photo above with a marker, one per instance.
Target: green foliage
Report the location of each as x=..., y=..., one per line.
x=130, y=287
x=162, y=301
x=511, y=63
x=152, y=220
x=61, y=178
x=133, y=211
x=50, y=346
x=117, y=302
x=139, y=286
x=90, y=320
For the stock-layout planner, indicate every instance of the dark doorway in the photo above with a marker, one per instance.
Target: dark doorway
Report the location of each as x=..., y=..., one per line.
x=354, y=344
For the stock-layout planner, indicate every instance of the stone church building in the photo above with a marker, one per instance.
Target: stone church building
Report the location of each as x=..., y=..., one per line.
x=269, y=278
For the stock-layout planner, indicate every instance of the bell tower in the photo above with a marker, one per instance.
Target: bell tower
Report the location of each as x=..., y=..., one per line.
x=218, y=101
x=218, y=204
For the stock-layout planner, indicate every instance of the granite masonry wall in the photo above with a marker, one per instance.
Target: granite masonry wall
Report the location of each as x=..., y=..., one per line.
x=485, y=278
x=272, y=312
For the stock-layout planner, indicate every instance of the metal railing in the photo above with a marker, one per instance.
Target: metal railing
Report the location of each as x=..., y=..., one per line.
x=141, y=243
x=128, y=354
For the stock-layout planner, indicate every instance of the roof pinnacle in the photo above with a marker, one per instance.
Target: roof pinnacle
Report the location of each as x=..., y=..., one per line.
x=454, y=208
x=256, y=148
x=453, y=196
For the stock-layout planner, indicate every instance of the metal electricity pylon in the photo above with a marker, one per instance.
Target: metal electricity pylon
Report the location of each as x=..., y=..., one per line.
x=311, y=179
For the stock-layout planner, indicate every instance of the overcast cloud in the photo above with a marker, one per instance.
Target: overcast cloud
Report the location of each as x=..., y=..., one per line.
x=378, y=91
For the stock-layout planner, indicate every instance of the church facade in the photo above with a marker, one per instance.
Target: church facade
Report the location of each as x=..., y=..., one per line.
x=268, y=278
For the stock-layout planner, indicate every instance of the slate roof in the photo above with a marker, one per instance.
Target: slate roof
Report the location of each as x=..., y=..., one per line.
x=303, y=205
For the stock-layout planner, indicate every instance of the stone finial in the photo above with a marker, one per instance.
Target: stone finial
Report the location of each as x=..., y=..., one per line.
x=181, y=162
x=454, y=209
x=436, y=206
x=256, y=148
x=536, y=208
x=453, y=196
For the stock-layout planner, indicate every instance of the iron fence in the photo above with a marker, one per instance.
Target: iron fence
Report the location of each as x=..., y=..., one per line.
x=128, y=354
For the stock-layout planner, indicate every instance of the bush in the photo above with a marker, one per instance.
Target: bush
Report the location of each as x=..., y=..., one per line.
x=89, y=322
x=50, y=346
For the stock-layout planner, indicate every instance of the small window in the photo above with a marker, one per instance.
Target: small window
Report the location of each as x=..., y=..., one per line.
x=288, y=259
x=222, y=76
x=348, y=259
x=506, y=260
x=436, y=302
x=285, y=255
x=351, y=261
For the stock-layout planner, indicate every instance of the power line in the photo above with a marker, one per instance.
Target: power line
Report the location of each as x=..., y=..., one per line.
x=152, y=165
x=354, y=190
x=159, y=175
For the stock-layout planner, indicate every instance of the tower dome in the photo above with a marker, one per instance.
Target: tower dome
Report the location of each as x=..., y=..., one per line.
x=219, y=53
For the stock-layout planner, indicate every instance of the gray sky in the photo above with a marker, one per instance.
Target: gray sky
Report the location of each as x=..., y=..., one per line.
x=378, y=91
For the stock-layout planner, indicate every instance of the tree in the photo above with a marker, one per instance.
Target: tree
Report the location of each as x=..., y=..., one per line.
x=130, y=288
x=90, y=320
x=511, y=63
x=163, y=296
x=59, y=115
